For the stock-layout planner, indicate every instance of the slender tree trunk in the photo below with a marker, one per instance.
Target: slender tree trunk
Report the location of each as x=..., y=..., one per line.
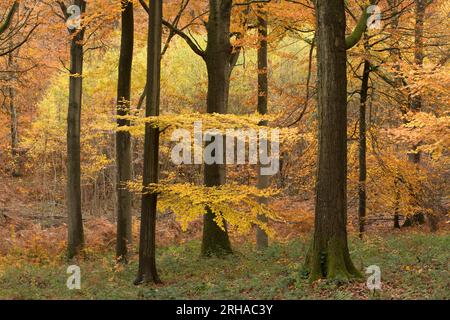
x=12, y=108
x=397, y=205
x=363, y=148
x=329, y=255
x=14, y=122
x=147, y=247
x=416, y=101
x=262, y=240
x=14, y=134
x=12, y=67
x=75, y=222
x=218, y=57
x=123, y=139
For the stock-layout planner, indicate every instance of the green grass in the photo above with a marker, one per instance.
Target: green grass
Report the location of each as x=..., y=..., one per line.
x=413, y=266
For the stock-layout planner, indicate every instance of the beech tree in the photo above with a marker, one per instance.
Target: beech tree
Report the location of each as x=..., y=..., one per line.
x=147, y=246
x=75, y=222
x=123, y=138
x=220, y=58
x=329, y=255
x=262, y=239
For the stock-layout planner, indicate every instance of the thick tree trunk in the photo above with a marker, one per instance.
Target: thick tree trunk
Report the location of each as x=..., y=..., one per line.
x=147, y=247
x=363, y=149
x=218, y=62
x=329, y=255
x=262, y=240
x=123, y=139
x=75, y=223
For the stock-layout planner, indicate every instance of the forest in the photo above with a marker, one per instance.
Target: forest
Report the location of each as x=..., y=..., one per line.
x=224, y=149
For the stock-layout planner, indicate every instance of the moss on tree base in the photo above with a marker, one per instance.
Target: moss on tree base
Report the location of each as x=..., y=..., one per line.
x=331, y=261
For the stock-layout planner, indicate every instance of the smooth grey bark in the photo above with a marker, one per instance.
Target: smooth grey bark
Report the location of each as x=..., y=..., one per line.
x=147, y=247
x=123, y=138
x=75, y=223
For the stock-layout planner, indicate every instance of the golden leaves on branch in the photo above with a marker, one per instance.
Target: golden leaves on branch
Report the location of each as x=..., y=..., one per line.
x=238, y=205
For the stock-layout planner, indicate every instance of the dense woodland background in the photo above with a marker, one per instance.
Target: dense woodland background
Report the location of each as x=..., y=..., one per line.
x=86, y=116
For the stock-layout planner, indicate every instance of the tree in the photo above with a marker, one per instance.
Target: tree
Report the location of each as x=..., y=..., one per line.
x=123, y=138
x=218, y=57
x=75, y=222
x=362, y=194
x=12, y=66
x=11, y=90
x=262, y=240
x=147, y=247
x=329, y=255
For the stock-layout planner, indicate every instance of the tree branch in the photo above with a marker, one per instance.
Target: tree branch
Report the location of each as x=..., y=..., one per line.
x=9, y=16
x=361, y=26
x=178, y=32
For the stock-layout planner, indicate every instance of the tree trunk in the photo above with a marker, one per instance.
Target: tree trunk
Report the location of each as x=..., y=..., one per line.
x=123, y=139
x=16, y=172
x=262, y=240
x=363, y=148
x=397, y=204
x=147, y=247
x=218, y=62
x=14, y=125
x=329, y=255
x=416, y=103
x=75, y=222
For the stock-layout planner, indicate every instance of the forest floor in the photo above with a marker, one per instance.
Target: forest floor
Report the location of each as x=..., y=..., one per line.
x=414, y=262
x=414, y=265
